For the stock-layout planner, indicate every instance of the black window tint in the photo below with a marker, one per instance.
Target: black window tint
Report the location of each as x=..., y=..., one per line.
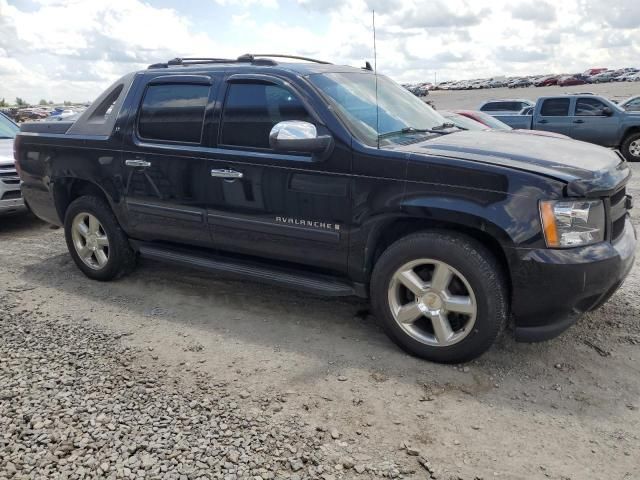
x=173, y=112
x=252, y=109
x=555, y=107
x=589, y=107
x=503, y=106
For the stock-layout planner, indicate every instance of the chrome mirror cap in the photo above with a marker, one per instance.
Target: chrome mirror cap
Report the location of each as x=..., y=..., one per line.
x=295, y=136
x=293, y=130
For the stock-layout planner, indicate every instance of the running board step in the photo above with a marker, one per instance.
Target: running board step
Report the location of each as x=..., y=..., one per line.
x=299, y=280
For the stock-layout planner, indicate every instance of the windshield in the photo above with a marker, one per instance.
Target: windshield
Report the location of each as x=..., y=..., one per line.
x=8, y=129
x=353, y=95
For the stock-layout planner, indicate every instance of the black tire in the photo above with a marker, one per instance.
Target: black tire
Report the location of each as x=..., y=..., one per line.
x=626, y=147
x=480, y=269
x=121, y=258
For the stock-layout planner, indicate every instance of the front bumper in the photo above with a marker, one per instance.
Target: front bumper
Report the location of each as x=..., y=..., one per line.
x=12, y=205
x=551, y=288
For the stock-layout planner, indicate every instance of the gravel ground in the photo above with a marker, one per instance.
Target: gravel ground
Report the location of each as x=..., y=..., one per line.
x=170, y=373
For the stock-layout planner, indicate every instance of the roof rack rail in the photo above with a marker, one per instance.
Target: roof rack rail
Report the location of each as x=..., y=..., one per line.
x=256, y=59
x=254, y=56
x=190, y=61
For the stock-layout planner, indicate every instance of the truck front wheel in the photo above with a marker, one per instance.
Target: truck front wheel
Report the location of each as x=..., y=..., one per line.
x=631, y=147
x=97, y=244
x=440, y=296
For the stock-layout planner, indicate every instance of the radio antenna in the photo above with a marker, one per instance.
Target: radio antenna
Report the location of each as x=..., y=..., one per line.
x=375, y=73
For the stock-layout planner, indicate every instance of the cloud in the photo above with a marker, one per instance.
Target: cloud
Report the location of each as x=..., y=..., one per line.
x=535, y=11
x=77, y=48
x=248, y=3
x=321, y=5
x=438, y=14
x=623, y=14
x=73, y=49
x=614, y=40
x=521, y=55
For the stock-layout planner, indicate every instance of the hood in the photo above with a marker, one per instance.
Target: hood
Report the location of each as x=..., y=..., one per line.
x=6, y=151
x=564, y=159
x=541, y=133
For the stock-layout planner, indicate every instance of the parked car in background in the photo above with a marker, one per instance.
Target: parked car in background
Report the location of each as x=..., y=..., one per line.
x=631, y=104
x=626, y=75
x=10, y=197
x=505, y=106
x=497, y=83
x=603, y=77
x=520, y=83
x=593, y=71
x=492, y=123
x=589, y=118
x=25, y=114
x=571, y=80
x=462, y=122
x=546, y=81
x=485, y=119
x=635, y=77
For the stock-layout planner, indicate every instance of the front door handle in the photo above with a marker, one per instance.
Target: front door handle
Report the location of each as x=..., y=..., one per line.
x=578, y=121
x=226, y=173
x=137, y=163
x=543, y=121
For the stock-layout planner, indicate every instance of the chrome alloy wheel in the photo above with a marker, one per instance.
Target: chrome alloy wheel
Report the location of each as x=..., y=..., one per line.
x=432, y=302
x=90, y=240
x=634, y=148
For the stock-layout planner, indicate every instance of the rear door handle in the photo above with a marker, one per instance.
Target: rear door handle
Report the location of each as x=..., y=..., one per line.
x=226, y=173
x=543, y=121
x=137, y=163
x=578, y=121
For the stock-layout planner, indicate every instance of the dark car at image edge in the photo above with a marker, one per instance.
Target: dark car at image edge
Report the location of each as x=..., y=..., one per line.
x=292, y=174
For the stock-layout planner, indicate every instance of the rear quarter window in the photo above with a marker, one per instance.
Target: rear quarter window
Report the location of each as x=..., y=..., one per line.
x=503, y=106
x=173, y=112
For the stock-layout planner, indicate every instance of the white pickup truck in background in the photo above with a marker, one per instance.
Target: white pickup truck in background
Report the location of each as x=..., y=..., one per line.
x=10, y=197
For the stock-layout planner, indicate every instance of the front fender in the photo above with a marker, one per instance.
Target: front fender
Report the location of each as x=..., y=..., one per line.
x=511, y=219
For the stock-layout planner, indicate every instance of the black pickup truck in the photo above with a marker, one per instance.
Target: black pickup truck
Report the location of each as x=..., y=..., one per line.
x=336, y=181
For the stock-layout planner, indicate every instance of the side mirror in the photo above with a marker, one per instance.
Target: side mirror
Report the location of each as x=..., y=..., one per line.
x=607, y=112
x=299, y=136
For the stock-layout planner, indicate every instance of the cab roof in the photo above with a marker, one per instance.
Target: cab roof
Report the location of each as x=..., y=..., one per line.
x=304, y=65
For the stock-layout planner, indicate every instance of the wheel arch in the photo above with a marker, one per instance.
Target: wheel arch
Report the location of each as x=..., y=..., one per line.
x=489, y=235
x=67, y=189
x=629, y=131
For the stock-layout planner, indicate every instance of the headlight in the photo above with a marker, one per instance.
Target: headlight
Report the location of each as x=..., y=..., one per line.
x=572, y=223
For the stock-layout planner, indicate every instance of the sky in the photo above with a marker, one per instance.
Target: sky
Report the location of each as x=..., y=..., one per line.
x=74, y=49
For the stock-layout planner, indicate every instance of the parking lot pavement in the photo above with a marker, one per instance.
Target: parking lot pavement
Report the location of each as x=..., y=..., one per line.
x=172, y=372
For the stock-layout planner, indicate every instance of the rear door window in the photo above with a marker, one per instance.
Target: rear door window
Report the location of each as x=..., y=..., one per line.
x=555, y=107
x=173, y=112
x=252, y=109
x=590, y=107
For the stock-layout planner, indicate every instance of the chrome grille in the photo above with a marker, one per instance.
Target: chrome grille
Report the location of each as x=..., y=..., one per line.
x=618, y=211
x=9, y=175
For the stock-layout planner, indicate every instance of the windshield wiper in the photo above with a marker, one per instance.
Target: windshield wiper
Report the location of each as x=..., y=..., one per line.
x=444, y=126
x=409, y=130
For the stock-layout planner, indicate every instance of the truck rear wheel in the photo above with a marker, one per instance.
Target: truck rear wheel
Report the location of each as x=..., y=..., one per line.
x=631, y=147
x=440, y=296
x=97, y=244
